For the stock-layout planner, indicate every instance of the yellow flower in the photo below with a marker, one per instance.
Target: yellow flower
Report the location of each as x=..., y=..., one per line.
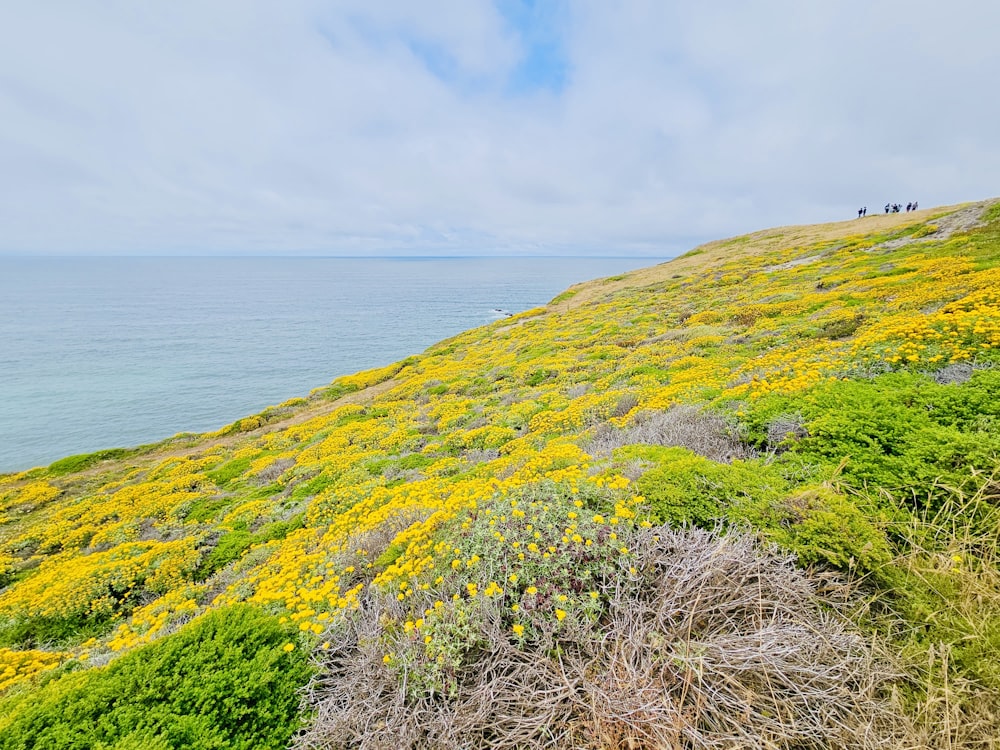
x=560, y=614
x=518, y=630
x=288, y=647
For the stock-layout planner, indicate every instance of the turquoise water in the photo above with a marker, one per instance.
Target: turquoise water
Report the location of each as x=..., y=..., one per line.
x=106, y=352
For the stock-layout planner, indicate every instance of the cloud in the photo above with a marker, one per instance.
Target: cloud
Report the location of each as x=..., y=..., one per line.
x=477, y=127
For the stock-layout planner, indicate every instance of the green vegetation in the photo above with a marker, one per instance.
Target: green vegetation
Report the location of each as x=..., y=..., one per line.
x=755, y=504
x=83, y=461
x=224, y=681
x=902, y=432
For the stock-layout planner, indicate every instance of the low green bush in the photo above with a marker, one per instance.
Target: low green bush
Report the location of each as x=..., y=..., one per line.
x=39, y=631
x=224, y=681
x=230, y=470
x=819, y=525
x=816, y=523
x=900, y=431
x=685, y=488
x=229, y=547
x=539, y=376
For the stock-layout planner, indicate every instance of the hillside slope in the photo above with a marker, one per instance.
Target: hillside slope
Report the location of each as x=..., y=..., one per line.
x=745, y=498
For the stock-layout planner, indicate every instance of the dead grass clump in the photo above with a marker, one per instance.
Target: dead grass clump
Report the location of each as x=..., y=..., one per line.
x=707, y=434
x=705, y=640
x=958, y=372
x=480, y=455
x=626, y=403
x=273, y=471
x=785, y=428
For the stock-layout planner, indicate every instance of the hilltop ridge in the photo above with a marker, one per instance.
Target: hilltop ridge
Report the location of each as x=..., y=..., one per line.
x=747, y=497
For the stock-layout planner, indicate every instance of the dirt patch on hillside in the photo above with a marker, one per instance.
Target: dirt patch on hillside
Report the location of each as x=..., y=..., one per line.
x=793, y=263
x=963, y=220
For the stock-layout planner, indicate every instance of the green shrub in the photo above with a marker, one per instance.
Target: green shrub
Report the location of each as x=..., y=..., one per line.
x=38, y=631
x=900, y=431
x=819, y=525
x=230, y=470
x=229, y=547
x=687, y=488
x=840, y=328
x=539, y=376
x=387, y=465
x=206, y=508
x=278, y=529
x=225, y=681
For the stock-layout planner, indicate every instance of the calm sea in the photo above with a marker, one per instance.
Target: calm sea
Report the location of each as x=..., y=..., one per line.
x=107, y=352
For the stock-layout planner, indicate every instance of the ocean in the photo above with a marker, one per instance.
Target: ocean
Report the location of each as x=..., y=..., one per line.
x=100, y=353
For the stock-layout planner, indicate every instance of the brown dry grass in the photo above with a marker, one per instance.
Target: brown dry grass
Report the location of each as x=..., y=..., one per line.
x=713, y=642
x=703, y=432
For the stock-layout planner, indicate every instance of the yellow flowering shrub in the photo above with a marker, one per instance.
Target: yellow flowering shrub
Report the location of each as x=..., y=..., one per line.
x=18, y=666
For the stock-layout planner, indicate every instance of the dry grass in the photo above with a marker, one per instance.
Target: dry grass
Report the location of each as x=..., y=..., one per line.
x=783, y=429
x=952, y=559
x=707, y=434
x=711, y=642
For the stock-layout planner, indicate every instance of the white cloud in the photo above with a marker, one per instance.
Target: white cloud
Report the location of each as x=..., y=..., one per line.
x=380, y=127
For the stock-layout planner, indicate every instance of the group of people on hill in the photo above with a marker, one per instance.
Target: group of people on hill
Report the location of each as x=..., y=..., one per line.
x=895, y=208
x=890, y=208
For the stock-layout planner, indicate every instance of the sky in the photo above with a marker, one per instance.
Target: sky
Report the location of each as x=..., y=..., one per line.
x=467, y=127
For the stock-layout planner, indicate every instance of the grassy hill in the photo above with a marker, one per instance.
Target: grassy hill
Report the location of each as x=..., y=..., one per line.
x=748, y=498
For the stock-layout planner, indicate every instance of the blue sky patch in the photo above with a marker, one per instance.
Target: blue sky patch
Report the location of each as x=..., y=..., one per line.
x=541, y=28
